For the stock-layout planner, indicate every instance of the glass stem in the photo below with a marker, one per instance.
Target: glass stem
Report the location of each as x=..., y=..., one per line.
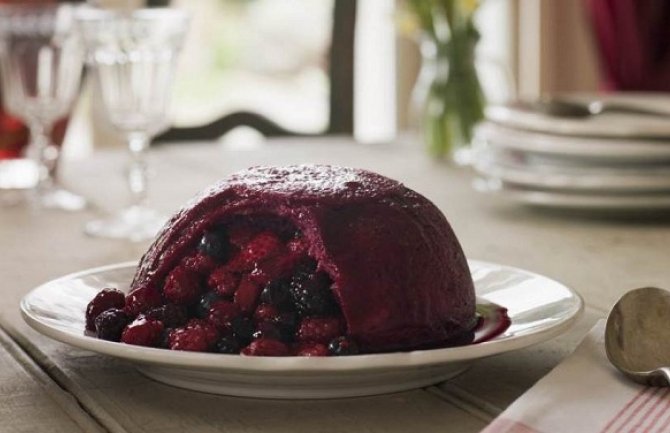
x=44, y=153
x=137, y=168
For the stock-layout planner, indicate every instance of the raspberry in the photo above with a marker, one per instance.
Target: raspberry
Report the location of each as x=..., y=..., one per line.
x=221, y=314
x=310, y=349
x=110, y=324
x=275, y=267
x=223, y=281
x=266, y=313
x=319, y=330
x=266, y=347
x=209, y=329
x=142, y=299
x=143, y=332
x=343, y=346
x=171, y=315
x=182, y=286
x=192, y=339
x=246, y=296
x=214, y=243
x=199, y=263
x=104, y=300
x=262, y=246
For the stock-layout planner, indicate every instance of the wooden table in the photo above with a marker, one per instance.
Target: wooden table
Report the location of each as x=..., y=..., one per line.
x=48, y=386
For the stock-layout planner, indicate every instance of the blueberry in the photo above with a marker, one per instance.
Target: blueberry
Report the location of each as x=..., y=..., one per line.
x=165, y=339
x=267, y=330
x=201, y=308
x=311, y=294
x=227, y=344
x=110, y=324
x=243, y=329
x=214, y=243
x=277, y=293
x=343, y=346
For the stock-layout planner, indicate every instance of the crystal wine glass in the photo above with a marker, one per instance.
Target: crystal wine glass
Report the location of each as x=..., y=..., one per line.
x=41, y=59
x=133, y=56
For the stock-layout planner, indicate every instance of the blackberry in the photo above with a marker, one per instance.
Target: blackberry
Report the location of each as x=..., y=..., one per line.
x=311, y=294
x=267, y=330
x=214, y=243
x=343, y=346
x=227, y=344
x=171, y=315
x=110, y=324
x=287, y=323
x=243, y=329
x=277, y=293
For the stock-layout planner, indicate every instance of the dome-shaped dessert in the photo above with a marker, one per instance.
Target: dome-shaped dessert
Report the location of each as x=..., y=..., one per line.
x=306, y=260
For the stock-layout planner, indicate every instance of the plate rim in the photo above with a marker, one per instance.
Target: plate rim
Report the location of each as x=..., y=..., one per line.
x=641, y=149
x=562, y=199
x=294, y=364
x=528, y=176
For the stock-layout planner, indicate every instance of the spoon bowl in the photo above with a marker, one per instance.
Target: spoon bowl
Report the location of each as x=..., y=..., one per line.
x=637, y=336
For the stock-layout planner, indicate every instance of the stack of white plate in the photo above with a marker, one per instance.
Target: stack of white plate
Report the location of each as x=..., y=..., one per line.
x=606, y=162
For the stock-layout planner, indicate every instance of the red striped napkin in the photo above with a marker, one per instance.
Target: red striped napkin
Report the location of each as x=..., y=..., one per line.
x=585, y=393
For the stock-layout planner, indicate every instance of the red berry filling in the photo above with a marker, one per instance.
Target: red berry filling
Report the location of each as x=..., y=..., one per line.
x=142, y=299
x=248, y=286
x=143, y=332
x=105, y=300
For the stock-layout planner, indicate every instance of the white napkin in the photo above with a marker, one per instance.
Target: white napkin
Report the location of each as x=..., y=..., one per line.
x=585, y=393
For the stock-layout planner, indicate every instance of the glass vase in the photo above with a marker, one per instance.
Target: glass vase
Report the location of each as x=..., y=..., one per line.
x=449, y=94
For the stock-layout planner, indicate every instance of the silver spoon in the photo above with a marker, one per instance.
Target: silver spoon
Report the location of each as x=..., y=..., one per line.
x=637, y=336
x=559, y=107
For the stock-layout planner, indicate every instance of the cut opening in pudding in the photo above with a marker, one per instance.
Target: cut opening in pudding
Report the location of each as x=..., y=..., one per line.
x=247, y=285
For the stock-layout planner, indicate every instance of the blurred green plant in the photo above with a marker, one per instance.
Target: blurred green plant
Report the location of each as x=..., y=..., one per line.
x=454, y=102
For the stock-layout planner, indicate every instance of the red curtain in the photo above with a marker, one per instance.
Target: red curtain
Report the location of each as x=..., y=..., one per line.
x=633, y=38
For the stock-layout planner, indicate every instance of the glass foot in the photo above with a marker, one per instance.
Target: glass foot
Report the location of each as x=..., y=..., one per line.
x=57, y=198
x=135, y=223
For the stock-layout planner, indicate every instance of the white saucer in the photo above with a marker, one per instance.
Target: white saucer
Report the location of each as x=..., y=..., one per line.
x=539, y=308
x=604, y=125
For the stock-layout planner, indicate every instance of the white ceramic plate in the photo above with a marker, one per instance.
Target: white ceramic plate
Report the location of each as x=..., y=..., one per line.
x=571, y=200
x=574, y=147
x=539, y=308
x=604, y=125
x=518, y=170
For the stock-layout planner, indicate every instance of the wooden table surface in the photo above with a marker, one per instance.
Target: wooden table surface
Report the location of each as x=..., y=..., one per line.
x=49, y=386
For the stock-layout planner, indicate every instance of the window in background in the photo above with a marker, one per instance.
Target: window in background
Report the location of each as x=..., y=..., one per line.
x=495, y=50
x=265, y=56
